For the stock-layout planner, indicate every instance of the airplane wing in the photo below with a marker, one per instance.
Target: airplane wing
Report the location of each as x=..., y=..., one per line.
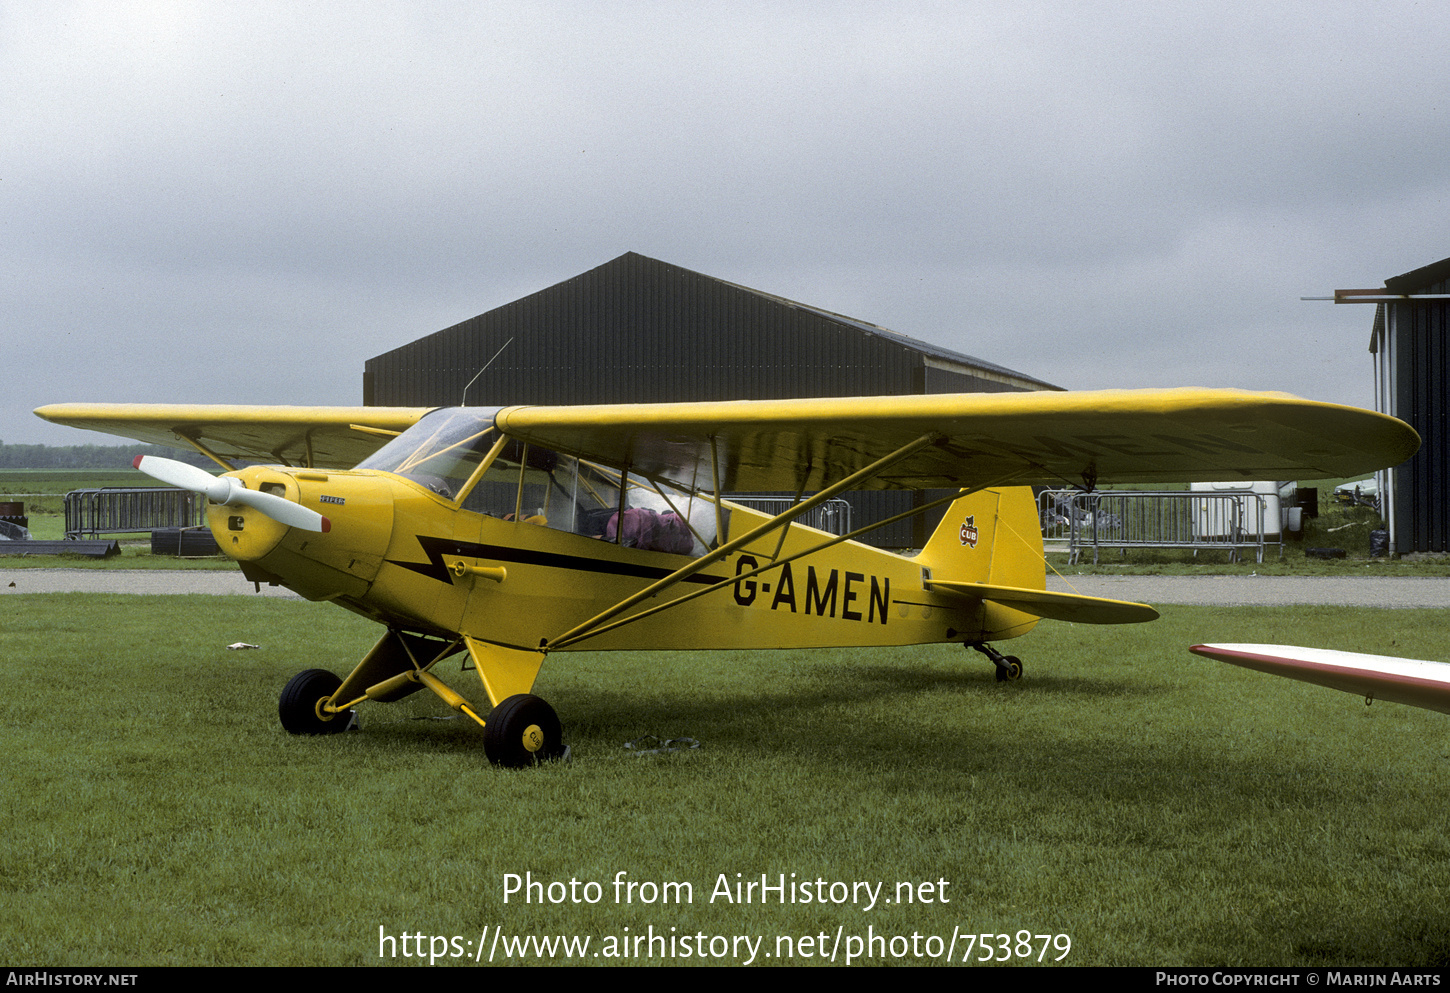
x=1382, y=677
x=319, y=437
x=1043, y=438
x=1046, y=438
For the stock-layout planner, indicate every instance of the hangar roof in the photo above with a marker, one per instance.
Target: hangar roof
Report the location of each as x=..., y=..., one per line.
x=639, y=329
x=945, y=355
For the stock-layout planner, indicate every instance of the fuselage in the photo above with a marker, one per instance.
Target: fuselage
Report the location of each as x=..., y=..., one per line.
x=411, y=557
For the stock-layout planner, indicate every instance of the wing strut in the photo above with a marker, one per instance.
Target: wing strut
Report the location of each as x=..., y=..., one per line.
x=577, y=632
x=715, y=474
x=226, y=466
x=780, y=542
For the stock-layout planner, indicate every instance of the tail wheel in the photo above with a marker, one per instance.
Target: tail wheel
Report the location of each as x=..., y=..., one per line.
x=1010, y=670
x=1009, y=667
x=521, y=731
x=298, y=706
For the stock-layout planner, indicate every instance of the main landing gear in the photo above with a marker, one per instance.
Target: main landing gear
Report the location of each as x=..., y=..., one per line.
x=523, y=730
x=1009, y=667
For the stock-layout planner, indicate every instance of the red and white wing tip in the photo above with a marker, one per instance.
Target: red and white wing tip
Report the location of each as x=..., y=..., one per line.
x=1381, y=677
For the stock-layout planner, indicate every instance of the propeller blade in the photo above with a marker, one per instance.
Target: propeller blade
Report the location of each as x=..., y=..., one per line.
x=188, y=477
x=229, y=491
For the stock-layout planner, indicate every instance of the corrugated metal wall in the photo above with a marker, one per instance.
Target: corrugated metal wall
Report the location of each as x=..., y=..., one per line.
x=640, y=330
x=1422, y=376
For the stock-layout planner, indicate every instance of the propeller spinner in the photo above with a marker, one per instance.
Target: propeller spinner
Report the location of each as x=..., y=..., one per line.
x=230, y=491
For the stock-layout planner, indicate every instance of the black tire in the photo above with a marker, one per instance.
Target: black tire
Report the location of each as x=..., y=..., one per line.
x=522, y=731
x=297, y=707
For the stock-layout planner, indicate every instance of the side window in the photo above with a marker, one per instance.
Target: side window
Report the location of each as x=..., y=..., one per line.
x=663, y=518
x=519, y=482
x=540, y=487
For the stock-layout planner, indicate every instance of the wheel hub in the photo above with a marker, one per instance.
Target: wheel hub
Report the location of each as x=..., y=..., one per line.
x=533, y=738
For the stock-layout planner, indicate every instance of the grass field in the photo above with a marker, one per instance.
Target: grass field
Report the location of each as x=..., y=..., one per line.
x=1155, y=807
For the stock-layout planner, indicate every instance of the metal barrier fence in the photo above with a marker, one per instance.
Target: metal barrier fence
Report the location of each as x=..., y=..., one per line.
x=131, y=510
x=833, y=516
x=1074, y=521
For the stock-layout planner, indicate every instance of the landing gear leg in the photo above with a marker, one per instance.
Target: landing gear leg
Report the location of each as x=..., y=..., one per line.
x=521, y=729
x=1009, y=667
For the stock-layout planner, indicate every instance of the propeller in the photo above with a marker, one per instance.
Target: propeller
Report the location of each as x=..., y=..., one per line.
x=230, y=491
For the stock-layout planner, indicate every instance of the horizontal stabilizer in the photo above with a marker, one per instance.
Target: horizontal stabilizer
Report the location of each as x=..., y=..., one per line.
x=1056, y=606
x=1382, y=677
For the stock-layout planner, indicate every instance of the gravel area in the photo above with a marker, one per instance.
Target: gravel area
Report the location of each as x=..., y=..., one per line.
x=131, y=581
x=1273, y=591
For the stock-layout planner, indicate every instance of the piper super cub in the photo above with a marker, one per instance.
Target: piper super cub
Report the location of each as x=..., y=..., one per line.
x=509, y=533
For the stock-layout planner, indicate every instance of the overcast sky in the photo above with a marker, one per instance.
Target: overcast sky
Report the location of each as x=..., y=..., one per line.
x=242, y=202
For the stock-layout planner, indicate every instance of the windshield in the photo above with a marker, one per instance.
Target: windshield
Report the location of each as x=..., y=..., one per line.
x=441, y=451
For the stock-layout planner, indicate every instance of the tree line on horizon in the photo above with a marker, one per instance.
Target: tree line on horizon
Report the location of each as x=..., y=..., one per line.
x=90, y=456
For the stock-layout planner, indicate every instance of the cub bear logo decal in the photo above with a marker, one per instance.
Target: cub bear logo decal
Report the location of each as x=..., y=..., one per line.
x=969, y=531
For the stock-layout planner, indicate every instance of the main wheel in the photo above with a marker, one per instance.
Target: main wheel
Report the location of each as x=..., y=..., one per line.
x=521, y=731
x=297, y=706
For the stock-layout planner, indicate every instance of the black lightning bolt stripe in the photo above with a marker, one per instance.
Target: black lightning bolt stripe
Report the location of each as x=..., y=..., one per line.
x=436, y=548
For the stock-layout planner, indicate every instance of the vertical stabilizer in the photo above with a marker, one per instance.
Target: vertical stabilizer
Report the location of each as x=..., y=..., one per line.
x=991, y=536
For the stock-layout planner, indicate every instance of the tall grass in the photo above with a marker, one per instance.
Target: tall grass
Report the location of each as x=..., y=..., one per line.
x=1157, y=807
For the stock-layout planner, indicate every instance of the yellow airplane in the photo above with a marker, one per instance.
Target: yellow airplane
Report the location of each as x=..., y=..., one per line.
x=508, y=533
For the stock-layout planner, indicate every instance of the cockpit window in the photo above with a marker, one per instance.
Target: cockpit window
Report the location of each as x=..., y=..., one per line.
x=441, y=451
